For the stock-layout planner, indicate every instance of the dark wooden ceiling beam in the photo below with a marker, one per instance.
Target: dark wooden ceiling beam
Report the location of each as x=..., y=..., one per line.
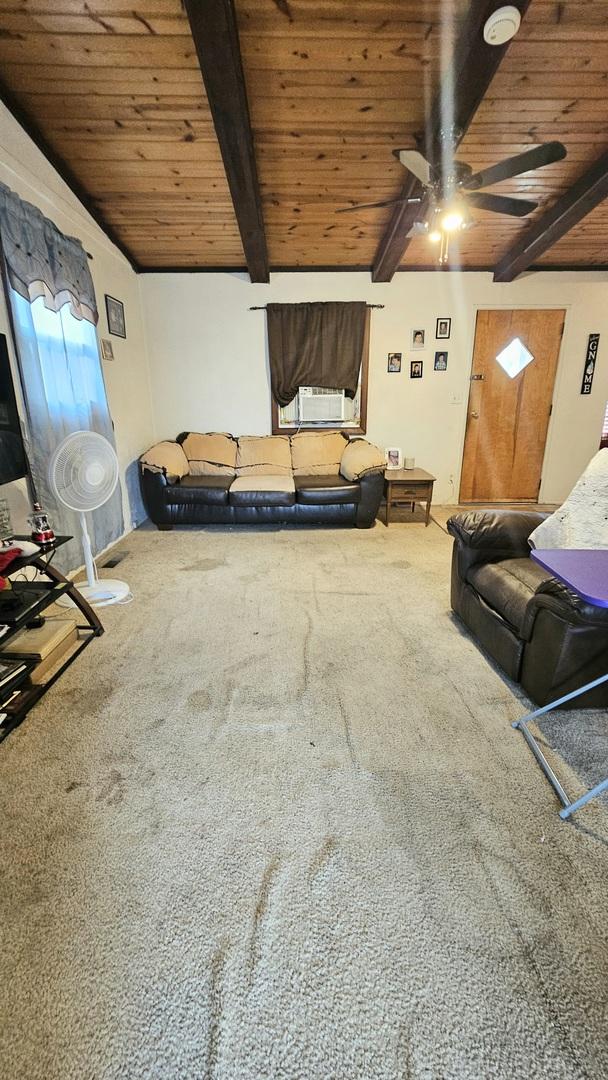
x=215, y=33
x=588, y=192
x=473, y=66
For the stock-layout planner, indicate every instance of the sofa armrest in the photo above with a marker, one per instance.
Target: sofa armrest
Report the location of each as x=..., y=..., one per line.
x=372, y=489
x=153, y=483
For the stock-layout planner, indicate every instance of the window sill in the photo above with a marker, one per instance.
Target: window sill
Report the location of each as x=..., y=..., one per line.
x=278, y=430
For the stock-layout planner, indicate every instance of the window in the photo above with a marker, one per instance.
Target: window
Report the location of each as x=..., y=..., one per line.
x=318, y=408
x=514, y=358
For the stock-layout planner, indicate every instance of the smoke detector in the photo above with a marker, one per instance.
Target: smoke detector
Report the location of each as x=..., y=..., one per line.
x=502, y=25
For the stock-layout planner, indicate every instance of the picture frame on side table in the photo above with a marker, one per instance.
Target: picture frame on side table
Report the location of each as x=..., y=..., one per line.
x=115, y=315
x=394, y=457
x=443, y=329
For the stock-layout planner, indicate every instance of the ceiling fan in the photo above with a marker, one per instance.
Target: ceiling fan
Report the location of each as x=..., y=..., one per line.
x=452, y=192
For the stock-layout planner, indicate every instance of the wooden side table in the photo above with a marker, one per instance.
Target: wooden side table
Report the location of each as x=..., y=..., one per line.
x=402, y=486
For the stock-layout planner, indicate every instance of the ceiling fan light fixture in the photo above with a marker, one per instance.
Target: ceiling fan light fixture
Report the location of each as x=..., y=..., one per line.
x=452, y=220
x=502, y=25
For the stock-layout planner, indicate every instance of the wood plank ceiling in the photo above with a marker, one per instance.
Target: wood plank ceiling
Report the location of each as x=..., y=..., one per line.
x=333, y=87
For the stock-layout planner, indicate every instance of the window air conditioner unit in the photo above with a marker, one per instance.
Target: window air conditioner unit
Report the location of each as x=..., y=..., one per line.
x=320, y=405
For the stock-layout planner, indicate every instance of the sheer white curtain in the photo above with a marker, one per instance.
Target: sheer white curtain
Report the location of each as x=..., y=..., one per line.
x=64, y=391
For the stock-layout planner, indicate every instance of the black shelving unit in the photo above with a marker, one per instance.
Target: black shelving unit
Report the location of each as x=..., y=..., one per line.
x=54, y=585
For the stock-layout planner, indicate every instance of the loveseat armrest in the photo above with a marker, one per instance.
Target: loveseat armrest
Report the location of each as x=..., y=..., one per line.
x=553, y=595
x=492, y=535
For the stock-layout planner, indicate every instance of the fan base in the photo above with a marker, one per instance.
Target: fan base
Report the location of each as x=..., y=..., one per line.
x=104, y=592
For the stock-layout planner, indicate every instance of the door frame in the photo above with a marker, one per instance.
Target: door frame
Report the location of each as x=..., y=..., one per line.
x=565, y=307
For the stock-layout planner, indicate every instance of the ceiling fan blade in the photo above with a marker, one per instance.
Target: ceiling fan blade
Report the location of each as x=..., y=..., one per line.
x=416, y=164
x=545, y=154
x=374, y=205
x=500, y=204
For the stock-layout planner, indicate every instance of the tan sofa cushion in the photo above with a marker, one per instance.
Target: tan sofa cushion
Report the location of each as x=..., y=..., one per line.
x=263, y=482
x=263, y=455
x=213, y=454
x=317, y=453
x=167, y=456
x=359, y=458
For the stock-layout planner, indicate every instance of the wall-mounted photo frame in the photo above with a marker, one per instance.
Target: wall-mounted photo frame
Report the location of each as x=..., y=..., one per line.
x=415, y=369
x=394, y=457
x=441, y=361
x=443, y=329
x=115, y=314
x=394, y=362
x=105, y=346
x=418, y=339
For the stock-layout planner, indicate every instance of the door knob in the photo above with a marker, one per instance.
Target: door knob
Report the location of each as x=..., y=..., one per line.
x=475, y=415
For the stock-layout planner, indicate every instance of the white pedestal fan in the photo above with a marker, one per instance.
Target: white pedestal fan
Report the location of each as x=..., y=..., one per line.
x=83, y=474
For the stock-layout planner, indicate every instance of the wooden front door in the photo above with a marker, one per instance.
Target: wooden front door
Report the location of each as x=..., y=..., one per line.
x=508, y=412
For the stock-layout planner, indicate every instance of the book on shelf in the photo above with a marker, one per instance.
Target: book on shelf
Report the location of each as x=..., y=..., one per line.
x=36, y=643
x=11, y=672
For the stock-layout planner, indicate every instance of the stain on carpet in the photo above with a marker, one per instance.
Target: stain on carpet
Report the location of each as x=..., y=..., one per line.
x=260, y=914
x=203, y=565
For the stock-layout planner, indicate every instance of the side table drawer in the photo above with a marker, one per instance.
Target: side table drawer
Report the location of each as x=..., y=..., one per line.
x=416, y=491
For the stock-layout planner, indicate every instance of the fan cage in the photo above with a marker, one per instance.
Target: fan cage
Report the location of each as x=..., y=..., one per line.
x=83, y=472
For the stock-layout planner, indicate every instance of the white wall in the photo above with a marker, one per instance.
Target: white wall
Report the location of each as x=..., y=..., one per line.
x=24, y=169
x=209, y=366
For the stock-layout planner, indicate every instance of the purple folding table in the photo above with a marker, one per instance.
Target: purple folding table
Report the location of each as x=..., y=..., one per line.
x=586, y=573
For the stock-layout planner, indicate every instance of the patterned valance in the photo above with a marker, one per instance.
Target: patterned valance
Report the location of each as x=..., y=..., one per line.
x=41, y=261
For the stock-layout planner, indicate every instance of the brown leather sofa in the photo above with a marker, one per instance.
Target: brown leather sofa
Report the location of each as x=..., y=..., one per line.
x=262, y=480
x=537, y=630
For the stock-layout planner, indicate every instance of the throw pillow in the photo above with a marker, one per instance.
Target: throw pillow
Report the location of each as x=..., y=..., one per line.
x=167, y=456
x=582, y=520
x=360, y=457
x=213, y=454
x=317, y=453
x=263, y=454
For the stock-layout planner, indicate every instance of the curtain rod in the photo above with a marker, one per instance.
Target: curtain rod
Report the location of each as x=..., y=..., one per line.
x=262, y=307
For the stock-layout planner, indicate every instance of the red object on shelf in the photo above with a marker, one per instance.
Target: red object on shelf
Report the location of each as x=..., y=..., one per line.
x=6, y=558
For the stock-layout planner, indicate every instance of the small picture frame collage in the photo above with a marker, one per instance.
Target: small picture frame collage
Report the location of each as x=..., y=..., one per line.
x=418, y=337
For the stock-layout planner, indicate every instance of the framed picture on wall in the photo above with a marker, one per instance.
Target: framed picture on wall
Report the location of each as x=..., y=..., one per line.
x=415, y=369
x=394, y=361
x=444, y=327
x=115, y=313
x=417, y=339
x=441, y=361
x=107, y=352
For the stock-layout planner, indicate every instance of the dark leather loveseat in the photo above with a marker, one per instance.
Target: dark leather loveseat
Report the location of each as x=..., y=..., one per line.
x=537, y=630
x=262, y=480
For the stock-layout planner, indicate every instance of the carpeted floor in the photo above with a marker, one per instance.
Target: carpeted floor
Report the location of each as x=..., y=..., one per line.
x=275, y=825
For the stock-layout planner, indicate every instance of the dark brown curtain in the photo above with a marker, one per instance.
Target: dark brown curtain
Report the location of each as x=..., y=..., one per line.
x=315, y=345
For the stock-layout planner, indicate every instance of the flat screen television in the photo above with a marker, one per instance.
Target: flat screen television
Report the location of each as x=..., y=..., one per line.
x=13, y=462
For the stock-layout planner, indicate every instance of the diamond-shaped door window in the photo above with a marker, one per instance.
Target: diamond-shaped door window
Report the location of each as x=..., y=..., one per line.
x=514, y=357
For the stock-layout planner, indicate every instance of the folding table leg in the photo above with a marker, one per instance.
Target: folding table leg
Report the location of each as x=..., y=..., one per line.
x=522, y=725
